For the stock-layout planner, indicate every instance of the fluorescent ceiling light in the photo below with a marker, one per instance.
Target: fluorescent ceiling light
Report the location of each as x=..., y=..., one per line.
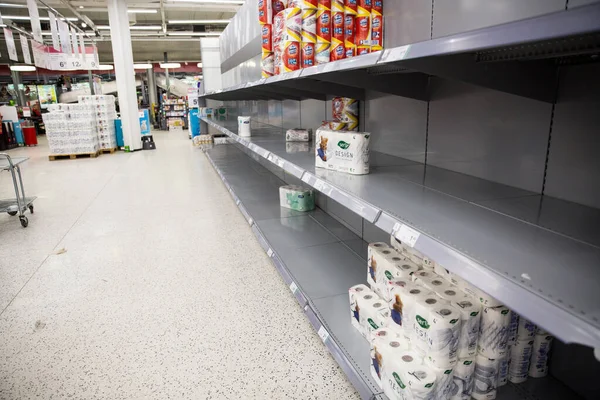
x=194, y=33
x=142, y=66
x=141, y=11
x=209, y=1
x=105, y=67
x=134, y=27
x=199, y=21
x=170, y=65
x=26, y=18
x=22, y=68
x=199, y=65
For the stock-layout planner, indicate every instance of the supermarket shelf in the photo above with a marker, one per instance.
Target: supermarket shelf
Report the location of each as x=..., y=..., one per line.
x=309, y=251
x=461, y=56
x=531, y=258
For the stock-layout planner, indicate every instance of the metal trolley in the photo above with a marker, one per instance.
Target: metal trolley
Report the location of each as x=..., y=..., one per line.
x=20, y=203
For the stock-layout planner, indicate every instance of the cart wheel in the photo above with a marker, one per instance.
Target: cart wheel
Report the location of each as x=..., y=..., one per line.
x=24, y=222
x=12, y=213
x=31, y=208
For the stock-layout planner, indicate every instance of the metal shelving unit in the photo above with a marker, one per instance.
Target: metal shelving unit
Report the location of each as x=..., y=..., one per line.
x=468, y=225
x=314, y=256
x=466, y=56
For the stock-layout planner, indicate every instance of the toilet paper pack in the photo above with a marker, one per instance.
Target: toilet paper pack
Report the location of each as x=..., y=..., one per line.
x=470, y=316
x=373, y=314
x=297, y=135
x=538, y=368
x=443, y=336
x=393, y=267
x=342, y=151
x=513, y=328
x=503, y=369
x=296, y=198
x=443, y=381
x=406, y=377
x=493, y=333
x=385, y=344
x=376, y=252
x=485, y=378
x=520, y=356
x=462, y=379
x=402, y=305
x=244, y=126
x=526, y=329
x=356, y=294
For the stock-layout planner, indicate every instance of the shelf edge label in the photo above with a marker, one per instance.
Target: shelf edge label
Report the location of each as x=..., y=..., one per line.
x=405, y=234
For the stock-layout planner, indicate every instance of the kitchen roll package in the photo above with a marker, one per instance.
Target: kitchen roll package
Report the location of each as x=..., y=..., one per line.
x=296, y=198
x=462, y=379
x=443, y=336
x=244, y=127
x=345, y=109
x=470, y=316
x=297, y=135
x=385, y=344
x=520, y=356
x=493, y=333
x=538, y=367
x=485, y=378
x=342, y=151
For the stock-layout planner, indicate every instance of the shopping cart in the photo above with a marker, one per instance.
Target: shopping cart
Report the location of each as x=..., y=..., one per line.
x=20, y=203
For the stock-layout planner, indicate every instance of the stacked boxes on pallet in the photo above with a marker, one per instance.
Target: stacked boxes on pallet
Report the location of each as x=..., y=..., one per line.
x=71, y=129
x=105, y=114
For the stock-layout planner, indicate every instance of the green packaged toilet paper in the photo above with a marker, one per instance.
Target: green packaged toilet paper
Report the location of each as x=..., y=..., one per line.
x=296, y=198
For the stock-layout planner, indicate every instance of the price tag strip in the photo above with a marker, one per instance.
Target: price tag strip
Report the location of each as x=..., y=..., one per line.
x=270, y=253
x=323, y=334
x=293, y=287
x=405, y=234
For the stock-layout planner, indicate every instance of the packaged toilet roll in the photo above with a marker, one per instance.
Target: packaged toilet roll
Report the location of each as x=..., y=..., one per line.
x=345, y=109
x=538, y=368
x=244, y=127
x=441, y=271
x=397, y=290
x=485, y=378
x=429, y=264
x=376, y=253
x=356, y=294
x=503, y=369
x=406, y=377
x=520, y=356
x=385, y=344
x=470, y=316
x=392, y=267
x=526, y=329
x=513, y=328
x=443, y=336
x=484, y=298
x=443, y=381
x=493, y=333
x=462, y=379
x=423, y=312
x=374, y=314
x=438, y=285
x=402, y=305
x=342, y=151
x=415, y=255
x=297, y=135
x=296, y=198
x=421, y=277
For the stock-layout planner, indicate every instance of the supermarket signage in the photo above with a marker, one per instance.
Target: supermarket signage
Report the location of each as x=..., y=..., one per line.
x=49, y=58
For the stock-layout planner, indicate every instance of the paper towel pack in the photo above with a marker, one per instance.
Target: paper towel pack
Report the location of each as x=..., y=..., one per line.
x=342, y=151
x=296, y=198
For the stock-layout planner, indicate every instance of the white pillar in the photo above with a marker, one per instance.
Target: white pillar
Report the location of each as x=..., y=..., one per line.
x=123, y=61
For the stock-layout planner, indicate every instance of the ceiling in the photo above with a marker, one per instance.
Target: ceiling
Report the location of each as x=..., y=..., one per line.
x=181, y=41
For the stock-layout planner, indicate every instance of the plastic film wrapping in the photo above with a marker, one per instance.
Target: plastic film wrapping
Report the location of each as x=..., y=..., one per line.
x=470, y=315
x=485, y=378
x=462, y=380
x=290, y=56
x=349, y=37
x=323, y=25
x=309, y=25
x=520, y=356
x=538, y=367
x=307, y=57
x=493, y=334
x=322, y=53
x=267, y=37
x=350, y=7
x=265, y=11
x=338, y=50
x=267, y=64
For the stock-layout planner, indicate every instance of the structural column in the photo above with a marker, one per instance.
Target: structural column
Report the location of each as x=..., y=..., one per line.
x=17, y=82
x=124, y=72
x=152, y=87
x=211, y=76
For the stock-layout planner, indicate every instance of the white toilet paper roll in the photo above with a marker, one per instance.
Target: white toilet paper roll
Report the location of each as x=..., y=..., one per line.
x=453, y=293
x=422, y=276
x=443, y=382
x=520, y=356
x=493, y=333
x=358, y=295
x=513, y=328
x=485, y=378
x=541, y=331
x=526, y=329
x=538, y=367
x=484, y=298
x=462, y=380
x=503, y=369
x=422, y=321
x=385, y=344
x=392, y=266
x=443, y=336
x=441, y=271
x=470, y=315
x=244, y=127
x=420, y=379
x=429, y=263
x=374, y=314
x=376, y=253
x=402, y=294
x=438, y=285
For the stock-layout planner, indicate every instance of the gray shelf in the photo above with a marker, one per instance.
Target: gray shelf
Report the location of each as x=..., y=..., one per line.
x=540, y=256
x=450, y=57
x=310, y=252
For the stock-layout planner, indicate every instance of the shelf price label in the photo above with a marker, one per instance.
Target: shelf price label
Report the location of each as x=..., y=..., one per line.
x=250, y=221
x=270, y=253
x=323, y=187
x=323, y=334
x=406, y=234
x=276, y=160
x=293, y=287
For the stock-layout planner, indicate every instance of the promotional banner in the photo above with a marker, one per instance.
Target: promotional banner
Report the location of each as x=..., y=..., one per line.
x=36, y=28
x=54, y=31
x=65, y=41
x=38, y=50
x=25, y=49
x=75, y=38
x=49, y=58
x=10, y=45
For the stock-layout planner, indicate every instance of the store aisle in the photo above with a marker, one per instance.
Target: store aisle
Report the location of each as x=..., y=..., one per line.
x=162, y=291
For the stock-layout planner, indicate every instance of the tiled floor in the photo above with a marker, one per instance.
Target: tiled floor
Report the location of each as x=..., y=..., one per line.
x=163, y=291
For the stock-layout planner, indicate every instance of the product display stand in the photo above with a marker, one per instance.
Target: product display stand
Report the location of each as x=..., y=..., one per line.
x=20, y=203
x=318, y=259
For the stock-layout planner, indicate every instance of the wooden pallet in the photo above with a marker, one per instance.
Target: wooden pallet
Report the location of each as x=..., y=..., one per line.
x=53, y=157
x=110, y=151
